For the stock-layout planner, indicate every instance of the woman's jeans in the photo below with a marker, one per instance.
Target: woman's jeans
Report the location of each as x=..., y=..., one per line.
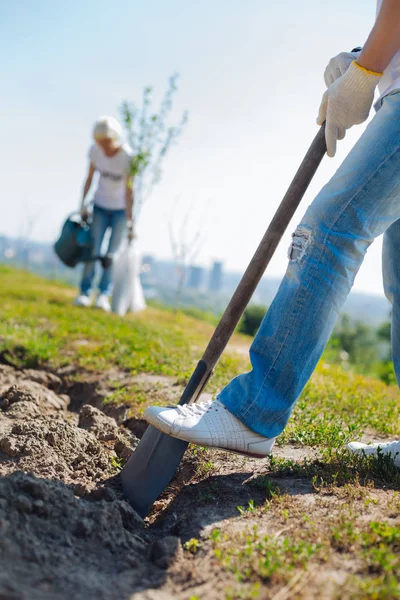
x=361, y=201
x=102, y=220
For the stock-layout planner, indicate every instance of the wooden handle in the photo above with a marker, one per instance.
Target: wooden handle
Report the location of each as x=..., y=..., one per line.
x=260, y=260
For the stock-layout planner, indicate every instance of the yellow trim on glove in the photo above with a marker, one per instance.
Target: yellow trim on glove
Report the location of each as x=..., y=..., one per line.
x=366, y=70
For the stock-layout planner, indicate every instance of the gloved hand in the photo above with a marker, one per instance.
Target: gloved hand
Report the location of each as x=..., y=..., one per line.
x=347, y=102
x=338, y=66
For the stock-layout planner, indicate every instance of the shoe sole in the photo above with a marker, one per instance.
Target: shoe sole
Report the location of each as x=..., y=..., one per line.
x=240, y=452
x=164, y=428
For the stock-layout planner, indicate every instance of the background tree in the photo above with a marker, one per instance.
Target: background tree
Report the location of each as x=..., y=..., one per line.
x=383, y=332
x=385, y=368
x=358, y=341
x=184, y=245
x=150, y=136
x=362, y=348
x=252, y=317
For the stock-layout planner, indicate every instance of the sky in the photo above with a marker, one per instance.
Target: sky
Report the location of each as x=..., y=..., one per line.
x=251, y=77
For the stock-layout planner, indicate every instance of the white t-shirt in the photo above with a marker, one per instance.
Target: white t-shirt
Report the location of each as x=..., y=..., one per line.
x=113, y=172
x=390, y=79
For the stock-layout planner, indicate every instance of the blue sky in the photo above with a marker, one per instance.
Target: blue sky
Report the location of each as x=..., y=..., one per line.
x=251, y=78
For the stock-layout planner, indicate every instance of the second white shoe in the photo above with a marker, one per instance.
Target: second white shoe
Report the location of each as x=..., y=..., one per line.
x=82, y=300
x=390, y=448
x=103, y=302
x=209, y=424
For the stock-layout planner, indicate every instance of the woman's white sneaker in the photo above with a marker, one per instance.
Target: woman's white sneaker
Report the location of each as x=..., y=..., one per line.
x=103, y=302
x=389, y=448
x=82, y=300
x=209, y=424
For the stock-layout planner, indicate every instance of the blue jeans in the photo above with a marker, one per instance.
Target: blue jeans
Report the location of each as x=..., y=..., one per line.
x=102, y=220
x=360, y=202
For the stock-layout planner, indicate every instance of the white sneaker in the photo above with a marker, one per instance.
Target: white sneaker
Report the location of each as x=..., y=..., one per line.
x=390, y=448
x=103, y=302
x=209, y=424
x=82, y=300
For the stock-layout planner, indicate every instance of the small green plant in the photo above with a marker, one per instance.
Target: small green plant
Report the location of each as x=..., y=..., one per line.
x=251, y=507
x=251, y=592
x=215, y=535
x=192, y=545
x=116, y=462
x=263, y=483
x=344, y=533
x=204, y=469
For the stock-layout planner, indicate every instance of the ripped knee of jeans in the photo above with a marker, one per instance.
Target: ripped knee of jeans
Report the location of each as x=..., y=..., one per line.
x=301, y=240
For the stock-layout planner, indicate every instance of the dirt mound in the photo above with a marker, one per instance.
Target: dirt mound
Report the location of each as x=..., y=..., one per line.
x=64, y=531
x=31, y=391
x=92, y=419
x=9, y=375
x=56, y=546
x=53, y=448
x=40, y=435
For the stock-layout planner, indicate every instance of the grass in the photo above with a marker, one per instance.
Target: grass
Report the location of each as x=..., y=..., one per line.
x=39, y=327
x=339, y=467
x=345, y=519
x=337, y=406
x=252, y=557
x=260, y=562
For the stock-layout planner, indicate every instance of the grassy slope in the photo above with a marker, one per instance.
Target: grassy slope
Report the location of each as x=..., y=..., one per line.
x=40, y=327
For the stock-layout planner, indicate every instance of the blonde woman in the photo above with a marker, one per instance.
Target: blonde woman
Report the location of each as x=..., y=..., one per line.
x=113, y=204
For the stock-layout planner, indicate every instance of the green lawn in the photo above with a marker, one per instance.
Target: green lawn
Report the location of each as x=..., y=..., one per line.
x=39, y=327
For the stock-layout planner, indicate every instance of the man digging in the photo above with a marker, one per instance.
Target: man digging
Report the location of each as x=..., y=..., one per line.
x=360, y=202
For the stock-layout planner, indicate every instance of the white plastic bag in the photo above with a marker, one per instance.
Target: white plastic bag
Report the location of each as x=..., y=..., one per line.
x=128, y=292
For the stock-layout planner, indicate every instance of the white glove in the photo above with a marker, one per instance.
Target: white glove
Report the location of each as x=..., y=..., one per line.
x=347, y=102
x=338, y=66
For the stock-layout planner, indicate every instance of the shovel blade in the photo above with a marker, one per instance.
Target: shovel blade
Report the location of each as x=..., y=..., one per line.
x=157, y=456
x=150, y=468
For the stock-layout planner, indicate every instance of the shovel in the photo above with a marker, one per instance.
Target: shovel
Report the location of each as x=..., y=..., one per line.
x=157, y=456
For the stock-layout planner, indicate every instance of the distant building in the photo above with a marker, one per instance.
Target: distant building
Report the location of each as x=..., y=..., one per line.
x=195, y=277
x=166, y=273
x=215, y=282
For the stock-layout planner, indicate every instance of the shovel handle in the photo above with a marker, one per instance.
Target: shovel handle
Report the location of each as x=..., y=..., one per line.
x=256, y=268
